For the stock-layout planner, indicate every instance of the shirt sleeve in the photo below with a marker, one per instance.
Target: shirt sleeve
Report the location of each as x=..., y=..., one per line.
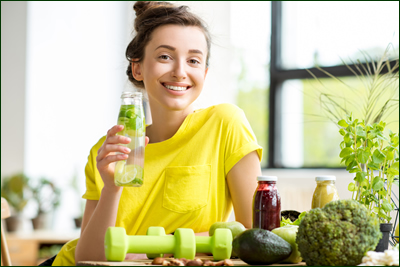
x=240, y=141
x=94, y=183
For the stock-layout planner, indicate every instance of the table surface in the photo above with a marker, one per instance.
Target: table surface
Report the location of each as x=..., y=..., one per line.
x=236, y=262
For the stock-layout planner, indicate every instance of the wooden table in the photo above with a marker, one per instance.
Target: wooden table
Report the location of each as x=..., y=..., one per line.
x=236, y=262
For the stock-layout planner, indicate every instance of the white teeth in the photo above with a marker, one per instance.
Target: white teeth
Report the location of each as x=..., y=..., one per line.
x=176, y=88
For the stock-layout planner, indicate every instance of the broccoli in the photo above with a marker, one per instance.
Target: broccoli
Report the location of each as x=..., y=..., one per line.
x=339, y=234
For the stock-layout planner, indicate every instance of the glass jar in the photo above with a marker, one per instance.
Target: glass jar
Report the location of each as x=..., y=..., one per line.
x=130, y=172
x=325, y=191
x=266, y=204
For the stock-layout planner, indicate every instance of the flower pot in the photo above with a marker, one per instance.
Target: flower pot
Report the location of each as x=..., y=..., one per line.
x=14, y=223
x=42, y=221
x=384, y=241
x=78, y=222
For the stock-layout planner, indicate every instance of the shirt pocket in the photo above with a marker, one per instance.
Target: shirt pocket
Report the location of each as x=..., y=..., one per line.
x=186, y=188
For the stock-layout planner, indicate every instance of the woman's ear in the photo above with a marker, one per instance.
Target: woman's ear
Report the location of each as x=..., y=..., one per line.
x=205, y=74
x=136, y=71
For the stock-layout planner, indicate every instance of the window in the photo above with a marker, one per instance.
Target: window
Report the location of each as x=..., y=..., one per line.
x=250, y=38
x=307, y=34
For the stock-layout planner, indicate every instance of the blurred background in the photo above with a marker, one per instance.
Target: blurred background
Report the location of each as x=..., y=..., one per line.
x=63, y=71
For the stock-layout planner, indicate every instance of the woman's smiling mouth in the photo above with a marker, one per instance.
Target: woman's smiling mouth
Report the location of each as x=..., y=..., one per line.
x=176, y=88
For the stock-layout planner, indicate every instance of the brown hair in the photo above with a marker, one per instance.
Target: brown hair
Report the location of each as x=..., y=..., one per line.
x=149, y=16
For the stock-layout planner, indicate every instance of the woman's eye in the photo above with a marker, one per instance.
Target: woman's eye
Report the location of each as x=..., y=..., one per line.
x=164, y=57
x=194, y=61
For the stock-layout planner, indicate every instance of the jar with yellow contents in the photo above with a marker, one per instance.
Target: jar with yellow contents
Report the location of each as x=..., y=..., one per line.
x=325, y=191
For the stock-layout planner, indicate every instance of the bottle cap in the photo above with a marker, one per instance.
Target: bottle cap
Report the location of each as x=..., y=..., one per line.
x=131, y=94
x=267, y=178
x=325, y=178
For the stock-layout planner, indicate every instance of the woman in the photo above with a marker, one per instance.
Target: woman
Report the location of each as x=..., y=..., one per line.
x=197, y=162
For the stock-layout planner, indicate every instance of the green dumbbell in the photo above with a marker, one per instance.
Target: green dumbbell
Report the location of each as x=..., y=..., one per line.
x=155, y=231
x=117, y=244
x=220, y=244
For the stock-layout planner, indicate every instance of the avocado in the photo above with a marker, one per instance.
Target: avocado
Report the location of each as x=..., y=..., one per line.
x=258, y=246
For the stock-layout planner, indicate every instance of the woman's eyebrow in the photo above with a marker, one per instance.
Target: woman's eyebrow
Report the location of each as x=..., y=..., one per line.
x=192, y=51
x=167, y=47
x=195, y=51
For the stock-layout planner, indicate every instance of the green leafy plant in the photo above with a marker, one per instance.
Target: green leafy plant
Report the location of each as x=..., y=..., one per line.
x=46, y=195
x=374, y=158
x=16, y=191
x=366, y=150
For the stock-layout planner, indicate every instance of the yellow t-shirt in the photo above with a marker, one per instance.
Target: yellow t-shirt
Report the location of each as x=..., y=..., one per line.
x=184, y=177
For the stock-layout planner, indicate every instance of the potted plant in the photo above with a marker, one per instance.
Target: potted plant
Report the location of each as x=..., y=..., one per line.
x=47, y=197
x=367, y=150
x=16, y=191
x=374, y=158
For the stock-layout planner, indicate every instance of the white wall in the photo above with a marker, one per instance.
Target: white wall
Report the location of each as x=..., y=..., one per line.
x=13, y=64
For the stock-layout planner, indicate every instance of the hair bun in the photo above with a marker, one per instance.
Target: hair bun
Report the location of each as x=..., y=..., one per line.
x=141, y=6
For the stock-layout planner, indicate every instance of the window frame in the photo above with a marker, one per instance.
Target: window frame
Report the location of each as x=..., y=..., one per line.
x=278, y=76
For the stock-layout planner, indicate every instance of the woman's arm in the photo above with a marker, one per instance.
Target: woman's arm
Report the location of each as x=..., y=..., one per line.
x=101, y=214
x=98, y=216
x=242, y=182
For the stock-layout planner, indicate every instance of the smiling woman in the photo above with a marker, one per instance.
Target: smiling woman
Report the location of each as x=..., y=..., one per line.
x=199, y=163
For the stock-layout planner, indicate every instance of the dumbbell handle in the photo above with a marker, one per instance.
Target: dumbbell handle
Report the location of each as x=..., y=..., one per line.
x=203, y=244
x=151, y=244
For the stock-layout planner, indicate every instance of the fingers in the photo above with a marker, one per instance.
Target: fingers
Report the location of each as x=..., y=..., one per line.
x=104, y=162
x=112, y=145
x=146, y=141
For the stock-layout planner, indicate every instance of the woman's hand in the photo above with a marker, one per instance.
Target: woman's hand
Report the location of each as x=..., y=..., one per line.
x=106, y=155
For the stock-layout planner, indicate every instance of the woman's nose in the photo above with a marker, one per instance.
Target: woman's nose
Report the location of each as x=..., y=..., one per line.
x=179, y=70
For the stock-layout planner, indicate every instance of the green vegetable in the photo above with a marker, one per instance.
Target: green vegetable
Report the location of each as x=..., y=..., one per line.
x=339, y=234
x=259, y=247
x=287, y=221
x=289, y=233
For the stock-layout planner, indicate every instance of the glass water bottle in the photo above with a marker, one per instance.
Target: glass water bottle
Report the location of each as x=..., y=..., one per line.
x=130, y=172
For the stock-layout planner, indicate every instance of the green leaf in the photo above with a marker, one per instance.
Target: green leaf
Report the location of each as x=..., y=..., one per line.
x=378, y=156
x=394, y=140
x=351, y=165
x=345, y=152
x=352, y=187
x=373, y=166
x=347, y=138
x=342, y=144
x=365, y=183
x=362, y=155
x=382, y=194
x=360, y=132
x=380, y=136
x=392, y=171
x=350, y=159
x=377, y=183
x=343, y=123
x=360, y=176
x=370, y=144
x=342, y=132
x=389, y=155
x=395, y=166
x=384, y=216
x=353, y=170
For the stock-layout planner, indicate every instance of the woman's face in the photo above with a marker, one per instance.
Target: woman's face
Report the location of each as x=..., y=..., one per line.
x=174, y=67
